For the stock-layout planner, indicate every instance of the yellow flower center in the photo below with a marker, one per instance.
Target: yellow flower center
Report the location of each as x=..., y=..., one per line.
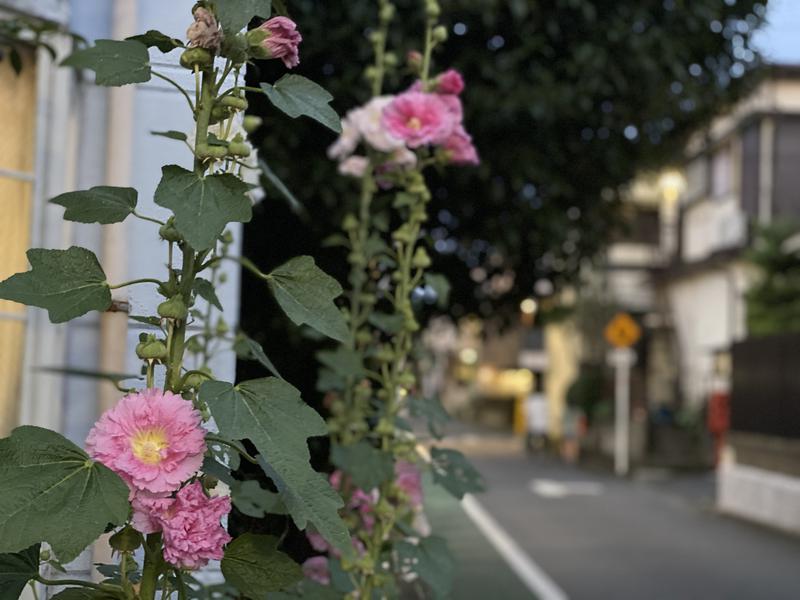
x=147, y=445
x=414, y=123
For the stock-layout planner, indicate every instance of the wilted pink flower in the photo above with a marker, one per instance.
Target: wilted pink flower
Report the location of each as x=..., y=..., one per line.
x=450, y=82
x=460, y=149
x=204, y=32
x=316, y=569
x=282, y=40
x=354, y=166
x=152, y=439
x=193, y=534
x=418, y=118
x=408, y=478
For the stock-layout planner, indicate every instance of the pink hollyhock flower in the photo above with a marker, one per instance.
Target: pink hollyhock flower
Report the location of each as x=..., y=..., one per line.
x=409, y=480
x=204, y=32
x=418, y=119
x=316, y=569
x=282, y=40
x=369, y=120
x=317, y=542
x=347, y=141
x=450, y=82
x=191, y=526
x=354, y=166
x=146, y=508
x=152, y=439
x=460, y=149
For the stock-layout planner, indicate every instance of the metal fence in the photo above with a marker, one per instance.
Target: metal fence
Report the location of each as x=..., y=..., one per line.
x=765, y=396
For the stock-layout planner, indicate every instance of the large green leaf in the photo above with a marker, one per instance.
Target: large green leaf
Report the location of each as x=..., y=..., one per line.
x=249, y=349
x=305, y=293
x=432, y=561
x=342, y=361
x=205, y=289
x=52, y=492
x=233, y=15
x=432, y=411
x=153, y=38
x=102, y=204
x=16, y=570
x=254, y=565
x=254, y=501
x=295, y=95
x=367, y=466
x=202, y=205
x=114, y=62
x=455, y=473
x=67, y=283
x=270, y=413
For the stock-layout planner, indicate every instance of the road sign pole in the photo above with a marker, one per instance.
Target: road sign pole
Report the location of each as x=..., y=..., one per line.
x=622, y=359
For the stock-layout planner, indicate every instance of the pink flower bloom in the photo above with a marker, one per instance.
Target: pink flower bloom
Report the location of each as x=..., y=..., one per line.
x=354, y=166
x=369, y=120
x=450, y=82
x=282, y=40
x=453, y=104
x=146, y=510
x=193, y=534
x=408, y=479
x=460, y=149
x=316, y=569
x=418, y=119
x=317, y=542
x=152, y=439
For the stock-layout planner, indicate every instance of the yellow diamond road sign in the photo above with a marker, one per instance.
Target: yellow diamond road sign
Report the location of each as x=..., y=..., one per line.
x=622, y=331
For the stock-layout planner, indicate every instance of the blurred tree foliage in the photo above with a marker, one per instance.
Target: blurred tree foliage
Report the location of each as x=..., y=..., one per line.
x=773, y=303
x=566, y=100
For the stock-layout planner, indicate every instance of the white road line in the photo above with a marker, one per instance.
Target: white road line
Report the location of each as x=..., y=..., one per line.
x=531, y=574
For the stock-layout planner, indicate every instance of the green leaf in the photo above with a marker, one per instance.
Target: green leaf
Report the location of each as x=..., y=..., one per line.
x=305, y=293
x=441, y=286
x=234, y=15
x=254, y=501
x=432, y=561
x=295, y=95
x=67, y=283
x=154, y=321
x=90, y=374
x=203, y=206
x=247, y=348
x=284, y=191
x=342, y=361
x=432, y=411
x=367, y=466
x=255, y=566
x=83, y=593
x=270, y=413
x=153, y=38
x=16, y=570
x=52, y=492
x=455, y=473
x=390, y=323
x=309, y=590
x=172, y=134
x=114, y=62
x=102, y=204
x=205, y=289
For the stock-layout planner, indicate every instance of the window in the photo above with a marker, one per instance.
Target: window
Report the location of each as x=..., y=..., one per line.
x=17, y=122
x=722, y=171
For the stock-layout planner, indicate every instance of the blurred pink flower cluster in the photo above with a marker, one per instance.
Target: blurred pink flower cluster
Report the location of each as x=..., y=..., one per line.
x=154, y=441
x=397, y=125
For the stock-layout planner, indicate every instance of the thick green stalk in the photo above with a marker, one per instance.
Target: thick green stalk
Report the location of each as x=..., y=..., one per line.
x=151, y=569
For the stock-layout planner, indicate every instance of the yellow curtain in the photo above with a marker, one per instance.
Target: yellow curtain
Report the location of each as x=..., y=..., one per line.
x=17, y=123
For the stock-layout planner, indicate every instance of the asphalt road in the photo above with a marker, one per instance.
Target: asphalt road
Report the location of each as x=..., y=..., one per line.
x=652, y=538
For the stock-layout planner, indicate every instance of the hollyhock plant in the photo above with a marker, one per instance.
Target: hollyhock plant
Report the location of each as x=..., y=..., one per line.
x=460, y=149
x=449, y=82
x=204, y=32
x=418, y=118
x=152, y=439
x=282, y=40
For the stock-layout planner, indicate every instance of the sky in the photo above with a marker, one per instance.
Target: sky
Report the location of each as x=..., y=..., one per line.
x=778, y=40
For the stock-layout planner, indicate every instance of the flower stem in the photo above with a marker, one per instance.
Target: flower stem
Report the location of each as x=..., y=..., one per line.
x=177, y=87
x=133, y=282
x=152, y=567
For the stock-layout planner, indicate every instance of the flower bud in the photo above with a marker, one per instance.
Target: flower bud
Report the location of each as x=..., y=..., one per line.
x=377, y=37
x=196, y=57
x=363, y=337
x=432, y=9
x=168, y=231
x=251, y=122
x=421, y=260
x=195, y=380
x=239, y=149
x=194, y=345
x=234, y=102
x=219, y=113
x=208, y=151
x=403, y=234
x=390, y=59
x=350, y=223
x=174, y=308
x=222, y=327
x=414, y=61
x=387, y=13
x=126, y=539
x=356, y=259
x=440, y=34
x=151, y=349
x=370, y=73
x=226, y=237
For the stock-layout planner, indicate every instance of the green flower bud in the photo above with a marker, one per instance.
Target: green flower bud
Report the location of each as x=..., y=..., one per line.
x=222, y=277
x=199, y=57
x=421, y=260
x=370, y=73
x=406, y=379
x=226, y=237
x=387, y=12
x=432, y=9
x=369, y=299
x=390, y=59
x=414, y=61
x=151, y=349
x=440, y=34
x=376, y=37
x=363, y=336
x=357, y=259
x=195, y=380
x=234, y=102
x=126, y=539
x=251, y=122
x=219, y=113
x=207, y=151
x=222, y=327
x=239, y=149
x=174, y=308
x=168, y=232
x=385, y=353
x=350, y=223
x=384, y=427
x=403, y=234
